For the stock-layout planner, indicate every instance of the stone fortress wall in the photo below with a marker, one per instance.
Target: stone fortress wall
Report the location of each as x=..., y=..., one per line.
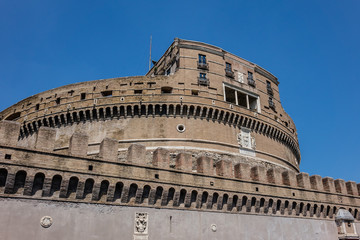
x=40, y=174
x=200, y=143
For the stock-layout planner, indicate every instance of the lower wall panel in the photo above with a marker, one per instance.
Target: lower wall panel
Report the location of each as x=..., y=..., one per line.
x=20, y=219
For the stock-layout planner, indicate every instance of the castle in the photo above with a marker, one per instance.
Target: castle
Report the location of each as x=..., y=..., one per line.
x=198, y=148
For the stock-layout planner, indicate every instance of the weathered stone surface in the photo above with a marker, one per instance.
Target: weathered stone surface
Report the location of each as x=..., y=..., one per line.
x=109, y=149
x=9, y=132
x=183, y=162
x=205, y=165
x=136, y=154
x=45, y=139
x=161, y=158
x=78, y=144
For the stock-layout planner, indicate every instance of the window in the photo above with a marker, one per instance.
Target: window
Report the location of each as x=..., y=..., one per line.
x=83, y=96
x=137, y=91
x=271, y=104
x=106, y=93
x=228, y=70
x=58, y=100
x=202, y=58
x=269, y=89
x=241, y=98
x=251, y=81
x=168, y=71
x=195, y=92
x=166, y=89
x=203, y=80
x=202, y=64
x=228, y=67
x=37, y=107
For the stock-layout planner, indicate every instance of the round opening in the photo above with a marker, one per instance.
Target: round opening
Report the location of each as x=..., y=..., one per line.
x=180, y=128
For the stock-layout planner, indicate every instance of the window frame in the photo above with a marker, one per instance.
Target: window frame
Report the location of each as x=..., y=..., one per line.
x=243, y=91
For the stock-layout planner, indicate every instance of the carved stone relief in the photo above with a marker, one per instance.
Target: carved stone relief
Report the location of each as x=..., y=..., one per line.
x=141, y=226
x=46, y=221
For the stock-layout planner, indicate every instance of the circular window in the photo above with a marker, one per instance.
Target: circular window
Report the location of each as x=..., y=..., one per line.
x=180, y=128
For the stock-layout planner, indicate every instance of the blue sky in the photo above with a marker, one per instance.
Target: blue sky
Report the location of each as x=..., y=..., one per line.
x=311, y=46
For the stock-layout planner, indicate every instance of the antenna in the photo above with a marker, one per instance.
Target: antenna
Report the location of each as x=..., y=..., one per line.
x=150, y=53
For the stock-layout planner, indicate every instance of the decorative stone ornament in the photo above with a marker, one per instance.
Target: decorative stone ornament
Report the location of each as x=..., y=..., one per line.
x=245, y=140
x=141, y=226
x=46, y=221
x=213, y=227
x=180, y=128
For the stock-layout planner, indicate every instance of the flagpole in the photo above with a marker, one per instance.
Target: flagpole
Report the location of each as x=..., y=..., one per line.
x=150, y=53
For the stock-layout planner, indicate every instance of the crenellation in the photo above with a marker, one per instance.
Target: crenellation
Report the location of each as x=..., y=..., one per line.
x=45, y=139
x=316, y=182
x=9, y=132
x=303, y=180
x=258, y=174
x=78, y=145
x=329, y=184
x=289, y=178
x=136, y=154
x=161, y=158
x=224, y=168
x=183, y=162
x=340, y=186
x=351, y=188
x=205, y=165
x=109, y=149
x=274, y=176
x=242, y=171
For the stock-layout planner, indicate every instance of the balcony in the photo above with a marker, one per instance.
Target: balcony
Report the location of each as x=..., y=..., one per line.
x=271, y=105
x=270, y=91
x=251, y=82
x=203, y=65
x=229, y=73
x=203, y=81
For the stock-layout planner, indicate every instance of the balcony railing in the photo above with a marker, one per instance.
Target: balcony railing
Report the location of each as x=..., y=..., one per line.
x=203, y=65
x=251, y=82
x=270, y=91
x=229, y=73
x=203, y=81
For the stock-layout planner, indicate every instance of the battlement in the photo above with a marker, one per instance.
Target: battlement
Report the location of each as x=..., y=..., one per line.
x=201, y=183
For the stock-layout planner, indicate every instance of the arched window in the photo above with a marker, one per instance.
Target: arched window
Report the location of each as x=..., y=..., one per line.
x=193, y=198
x=88, y=189
x=136, y=110
x=215, y=199
x=146, y=193
x=55, y=184
x=150, y=110
x=128, y=111
x=132, y=192
x=158, y=194
x=171, y=194
x=204, y=199
x=122, y=111
x=19, y=183
x=3, y=176
x=118, y=190
x=182, y=196
x=104, y=186
x=73, y=184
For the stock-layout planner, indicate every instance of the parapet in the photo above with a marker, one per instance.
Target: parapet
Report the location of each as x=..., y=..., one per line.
x=184, y=163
